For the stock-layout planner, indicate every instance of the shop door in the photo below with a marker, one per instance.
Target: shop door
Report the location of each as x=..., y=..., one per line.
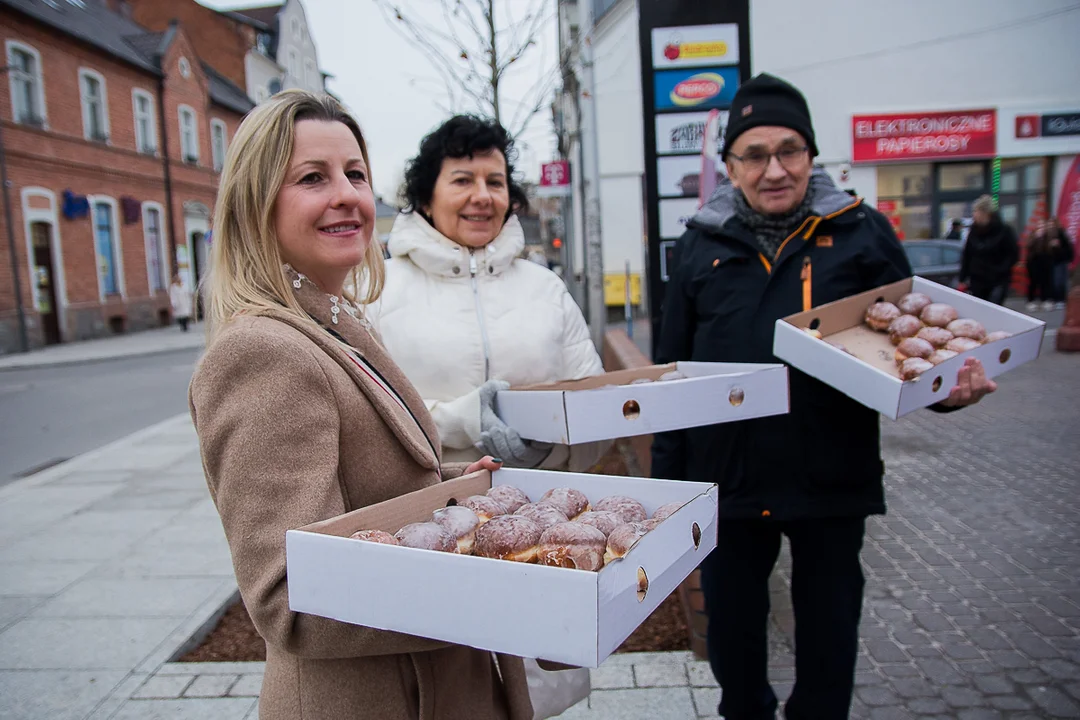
x=957, y=186
x=45, y=281
x=200, y=262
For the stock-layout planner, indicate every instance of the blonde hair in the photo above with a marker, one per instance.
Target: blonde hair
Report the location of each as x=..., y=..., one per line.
x=245, y=258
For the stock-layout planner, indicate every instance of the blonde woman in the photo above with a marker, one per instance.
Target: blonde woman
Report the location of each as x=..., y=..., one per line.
x=301, y=416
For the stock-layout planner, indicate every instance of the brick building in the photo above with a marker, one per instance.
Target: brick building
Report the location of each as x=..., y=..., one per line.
x=113, y=136
x=262, y=49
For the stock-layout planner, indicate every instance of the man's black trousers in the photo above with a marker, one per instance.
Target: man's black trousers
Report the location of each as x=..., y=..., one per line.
x=826, y=593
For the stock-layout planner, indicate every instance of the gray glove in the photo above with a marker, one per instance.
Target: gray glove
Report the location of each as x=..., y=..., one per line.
x=499, y=439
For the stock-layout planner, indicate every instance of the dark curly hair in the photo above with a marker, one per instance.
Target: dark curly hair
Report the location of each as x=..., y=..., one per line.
x=460, y=136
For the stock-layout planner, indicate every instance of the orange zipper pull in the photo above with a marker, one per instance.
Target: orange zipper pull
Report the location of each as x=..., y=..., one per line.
x=807, y=284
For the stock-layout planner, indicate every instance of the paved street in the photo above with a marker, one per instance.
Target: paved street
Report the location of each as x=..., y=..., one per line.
x=973, y=578
x=57, y=412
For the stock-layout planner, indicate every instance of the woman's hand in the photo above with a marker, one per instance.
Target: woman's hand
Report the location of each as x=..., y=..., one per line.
x=972, y=385
x=485, y=463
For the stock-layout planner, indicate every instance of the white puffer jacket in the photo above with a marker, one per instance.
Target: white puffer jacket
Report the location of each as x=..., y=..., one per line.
x=453, y=318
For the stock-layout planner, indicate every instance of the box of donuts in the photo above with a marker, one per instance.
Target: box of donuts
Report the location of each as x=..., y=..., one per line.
x=899, y=347
x=644, y=400
x=539, y=564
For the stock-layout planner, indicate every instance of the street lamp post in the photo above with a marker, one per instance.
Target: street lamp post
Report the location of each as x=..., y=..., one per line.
x=24, y=340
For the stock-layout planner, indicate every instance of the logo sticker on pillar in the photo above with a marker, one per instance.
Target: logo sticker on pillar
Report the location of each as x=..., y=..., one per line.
x=701, y=89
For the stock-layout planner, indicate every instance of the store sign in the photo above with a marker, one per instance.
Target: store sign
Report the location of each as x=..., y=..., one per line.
x=554, y=179
x=684, y=133
x=695, y=45
x=923, y=136
x=1051, y=125
x=702, y=89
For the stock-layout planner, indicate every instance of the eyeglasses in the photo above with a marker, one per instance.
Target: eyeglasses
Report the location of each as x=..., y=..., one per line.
x=756, y=161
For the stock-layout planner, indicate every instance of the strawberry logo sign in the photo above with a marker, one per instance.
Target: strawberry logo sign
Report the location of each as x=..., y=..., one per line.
x=697, y=89
x=671, y=51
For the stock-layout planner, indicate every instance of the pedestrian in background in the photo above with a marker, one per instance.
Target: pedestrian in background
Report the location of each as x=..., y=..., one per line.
x=463, y=314
x=1063, y=253
x=180, y=300
x=1039, y=263
x=777, y=238
x=989, y=254
x=302, y=416
x=956, y=231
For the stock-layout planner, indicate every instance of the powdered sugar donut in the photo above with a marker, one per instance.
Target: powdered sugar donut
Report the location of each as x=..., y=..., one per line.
x=484, y=507
x=543, y=514
x=427, y=536
x=628, y=509
x=508, y=537
x=572, y=545
x=375, y=536
x=572, y=502
x=603, y=520
x=509, y=497
x=461, y=522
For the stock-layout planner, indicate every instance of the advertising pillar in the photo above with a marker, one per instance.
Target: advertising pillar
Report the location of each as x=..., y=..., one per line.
x=694, y=55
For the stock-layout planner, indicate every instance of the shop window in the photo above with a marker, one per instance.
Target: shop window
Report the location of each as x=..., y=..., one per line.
x=954, y=177
x=145, y=125
x=156, y=268
x=189, y=136
x=25, y=84
x=106, y=241
x=1022, y=193
x=95, y=107
x=904, y=195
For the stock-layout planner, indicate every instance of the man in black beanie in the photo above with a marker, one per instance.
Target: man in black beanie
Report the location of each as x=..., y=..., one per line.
x=776, y=238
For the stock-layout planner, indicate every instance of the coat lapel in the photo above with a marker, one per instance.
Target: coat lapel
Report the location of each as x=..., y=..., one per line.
x=414, y=426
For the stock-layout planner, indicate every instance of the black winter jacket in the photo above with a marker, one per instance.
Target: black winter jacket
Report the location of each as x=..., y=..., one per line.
x=989, y=254
x=823, y=458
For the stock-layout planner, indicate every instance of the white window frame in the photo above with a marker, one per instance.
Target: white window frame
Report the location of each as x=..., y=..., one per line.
x=94, y=74
x=39, y=79
x=294, y=64
x=163, y=248
x=118, y=245
x=219, y=157
x=51, y=216
x=294, y=24
x=195, y=132
x=143, y=144
x=310, y=72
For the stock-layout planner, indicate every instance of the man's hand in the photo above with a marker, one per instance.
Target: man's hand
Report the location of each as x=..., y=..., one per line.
x=485, y=463
x=971, y=385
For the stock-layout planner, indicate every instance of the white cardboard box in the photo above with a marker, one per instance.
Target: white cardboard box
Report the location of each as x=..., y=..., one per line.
x=571, y=616
x=870, y=376
x=607, y=406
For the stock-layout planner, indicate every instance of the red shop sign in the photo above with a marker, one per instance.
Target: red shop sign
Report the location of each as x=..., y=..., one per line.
x=924, y=136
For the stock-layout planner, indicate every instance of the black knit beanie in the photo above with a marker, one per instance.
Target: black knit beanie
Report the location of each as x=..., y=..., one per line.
x=768, y=100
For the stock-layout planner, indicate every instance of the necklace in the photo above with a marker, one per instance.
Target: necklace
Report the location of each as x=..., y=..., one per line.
x=336, y=304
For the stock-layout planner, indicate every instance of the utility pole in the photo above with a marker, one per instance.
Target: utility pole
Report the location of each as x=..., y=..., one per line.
x=16, y=284
x=590, y=135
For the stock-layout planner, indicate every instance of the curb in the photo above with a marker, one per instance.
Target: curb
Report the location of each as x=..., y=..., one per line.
x=90, y=456
x=68, y=362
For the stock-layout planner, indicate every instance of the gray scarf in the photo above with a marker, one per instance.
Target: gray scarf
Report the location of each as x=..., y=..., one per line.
x=770, y=230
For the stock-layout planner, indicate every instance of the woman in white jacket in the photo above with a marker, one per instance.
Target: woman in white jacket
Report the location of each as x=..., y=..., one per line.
x=462, y=314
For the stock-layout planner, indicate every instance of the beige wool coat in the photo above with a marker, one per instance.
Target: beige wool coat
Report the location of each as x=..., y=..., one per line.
x=292, y=431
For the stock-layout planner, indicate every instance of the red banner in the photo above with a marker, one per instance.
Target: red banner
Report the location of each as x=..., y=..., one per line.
x=924, y=136
x=1068, y=213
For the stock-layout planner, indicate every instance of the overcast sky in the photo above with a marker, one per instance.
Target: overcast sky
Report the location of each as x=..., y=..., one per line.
x=393, y=91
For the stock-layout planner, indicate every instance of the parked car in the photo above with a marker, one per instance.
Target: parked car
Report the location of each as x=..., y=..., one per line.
x=936, y=260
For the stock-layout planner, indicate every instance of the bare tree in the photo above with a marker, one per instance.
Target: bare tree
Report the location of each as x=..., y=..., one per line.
x=474, y=46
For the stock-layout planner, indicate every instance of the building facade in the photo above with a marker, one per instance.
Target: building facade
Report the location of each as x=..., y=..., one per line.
x=113, y=138
x=918, y=117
